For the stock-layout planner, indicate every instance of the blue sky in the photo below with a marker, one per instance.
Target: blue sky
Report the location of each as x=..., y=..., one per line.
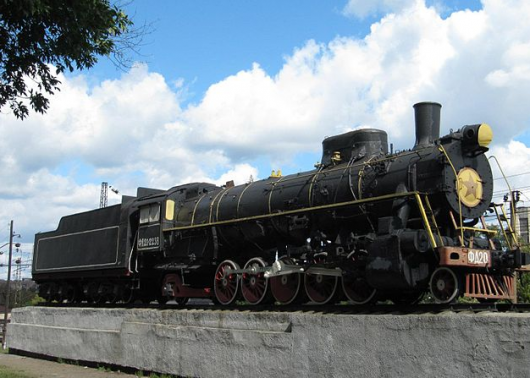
x=228, y=89
x=203, y=42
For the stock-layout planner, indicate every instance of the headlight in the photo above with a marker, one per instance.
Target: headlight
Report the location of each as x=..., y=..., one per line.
x=476, y=138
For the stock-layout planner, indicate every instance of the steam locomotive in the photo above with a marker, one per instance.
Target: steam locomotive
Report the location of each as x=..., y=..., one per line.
x=365, y=225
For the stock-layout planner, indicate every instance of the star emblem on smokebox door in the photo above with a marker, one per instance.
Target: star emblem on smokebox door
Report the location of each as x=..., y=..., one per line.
x=470, y=187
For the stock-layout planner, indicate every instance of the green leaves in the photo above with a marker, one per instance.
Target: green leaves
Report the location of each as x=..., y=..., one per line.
x=37, y=35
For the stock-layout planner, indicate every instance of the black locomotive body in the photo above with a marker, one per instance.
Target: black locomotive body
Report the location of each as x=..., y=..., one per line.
x=364, y=225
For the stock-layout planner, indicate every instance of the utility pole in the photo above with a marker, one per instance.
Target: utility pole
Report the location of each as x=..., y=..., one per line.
x=515, y=197
x=18, y=280
x=6, y=310
x=104, y=196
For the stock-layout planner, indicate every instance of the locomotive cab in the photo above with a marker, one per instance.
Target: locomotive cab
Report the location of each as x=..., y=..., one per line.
x=149, y=229
x=144, y=220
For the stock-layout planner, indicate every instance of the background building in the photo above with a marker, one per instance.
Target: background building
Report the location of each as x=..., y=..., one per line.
x=522, y=223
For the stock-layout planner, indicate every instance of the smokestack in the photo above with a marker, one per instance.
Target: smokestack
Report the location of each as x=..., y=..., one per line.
x=427, y=116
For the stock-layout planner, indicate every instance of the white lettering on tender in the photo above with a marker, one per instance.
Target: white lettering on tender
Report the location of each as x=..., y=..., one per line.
x=149, y=242
x=478, y=257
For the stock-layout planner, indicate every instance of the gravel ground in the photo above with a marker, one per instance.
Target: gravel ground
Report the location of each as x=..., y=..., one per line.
x=47, y=369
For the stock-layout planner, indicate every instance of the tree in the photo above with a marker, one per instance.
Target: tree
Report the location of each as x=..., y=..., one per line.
x=40, y=39
x=22, y=293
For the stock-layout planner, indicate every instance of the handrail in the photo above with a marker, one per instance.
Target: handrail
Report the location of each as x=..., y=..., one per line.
x=512, y=242
x=361, y=201
x=512, y=202
x=425, y=220
x=428, y=203
x=442, y=149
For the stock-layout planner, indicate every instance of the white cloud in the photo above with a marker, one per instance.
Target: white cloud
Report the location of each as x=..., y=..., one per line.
x=241, y=174
x=514, y=160
x=463, y=61
x=516, y=67
x=324, y=89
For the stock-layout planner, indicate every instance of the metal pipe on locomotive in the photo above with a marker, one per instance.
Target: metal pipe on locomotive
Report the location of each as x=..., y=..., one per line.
x=365, y=225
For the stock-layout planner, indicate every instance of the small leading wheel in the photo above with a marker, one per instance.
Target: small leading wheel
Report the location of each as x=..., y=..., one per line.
x=226, y=283
x=286, y=288
x=319, y=288
x=255, y=286
x=445, y=286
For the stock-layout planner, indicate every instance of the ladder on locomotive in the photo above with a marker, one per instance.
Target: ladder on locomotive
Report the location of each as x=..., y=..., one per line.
x=508, y=233
x=431, y=226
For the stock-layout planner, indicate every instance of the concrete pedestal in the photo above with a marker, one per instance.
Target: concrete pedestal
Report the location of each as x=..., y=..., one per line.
x=196, y=343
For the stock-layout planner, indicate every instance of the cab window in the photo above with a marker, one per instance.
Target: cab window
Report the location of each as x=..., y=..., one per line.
x=150, y=214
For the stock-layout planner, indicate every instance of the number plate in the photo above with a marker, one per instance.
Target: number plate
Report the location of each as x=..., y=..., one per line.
x=478, y=257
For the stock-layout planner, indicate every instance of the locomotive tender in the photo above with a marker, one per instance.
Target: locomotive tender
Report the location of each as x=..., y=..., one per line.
x=365, y=225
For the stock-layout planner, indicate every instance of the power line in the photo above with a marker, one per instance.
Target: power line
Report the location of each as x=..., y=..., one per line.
x=515, y=175
x=518, y=188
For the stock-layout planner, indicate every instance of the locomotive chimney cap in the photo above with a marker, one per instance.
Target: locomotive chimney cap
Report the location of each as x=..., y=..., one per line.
x=427, y=119
x=427, y=103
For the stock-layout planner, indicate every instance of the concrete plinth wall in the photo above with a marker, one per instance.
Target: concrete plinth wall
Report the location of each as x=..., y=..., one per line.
x=195, y=343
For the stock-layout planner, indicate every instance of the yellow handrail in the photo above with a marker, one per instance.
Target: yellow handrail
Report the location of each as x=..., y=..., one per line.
x=442, y=149
x=425, y=220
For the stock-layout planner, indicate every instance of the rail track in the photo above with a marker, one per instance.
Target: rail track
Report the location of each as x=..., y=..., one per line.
x=341, y=309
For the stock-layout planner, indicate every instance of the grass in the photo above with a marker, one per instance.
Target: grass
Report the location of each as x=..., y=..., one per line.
x=105, y=369
x=6, y=372
x=141, y=374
